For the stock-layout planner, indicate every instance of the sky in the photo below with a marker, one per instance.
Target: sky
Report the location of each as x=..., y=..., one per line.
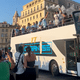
x=8, y=8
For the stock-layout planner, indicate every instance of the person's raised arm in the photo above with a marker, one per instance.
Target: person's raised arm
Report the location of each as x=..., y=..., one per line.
x=61, y=12
x=46, y=15
x=11, y=61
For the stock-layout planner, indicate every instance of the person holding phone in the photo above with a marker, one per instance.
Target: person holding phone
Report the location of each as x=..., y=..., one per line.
x=5, y=66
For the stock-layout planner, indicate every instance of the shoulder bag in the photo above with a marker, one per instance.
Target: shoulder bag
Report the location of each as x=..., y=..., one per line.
x=15, y=68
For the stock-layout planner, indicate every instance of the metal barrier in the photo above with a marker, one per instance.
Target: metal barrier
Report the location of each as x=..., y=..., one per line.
x=66, y=22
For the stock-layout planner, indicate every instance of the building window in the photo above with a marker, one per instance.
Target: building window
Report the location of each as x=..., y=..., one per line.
x=38, y=7
x=39, y=0
x=77, y=7
x=6, y=40
x=2, y=30
x=37, y=16
x=40, y=14
x=23, y=13
x=68, y=4
x=31, y=10
x=35, y=2
x=33, y=17
x=30, y=5
x=34, y=8
x=27, y=6
x=26, y=13
x=41, y=6
x=2, y=35
x=53, y=0
x=5, y=35
x=47, y=4
x=2, y=25
x=6, y=26
x=25, y=20
x=6, y=30
x=30, y=18
x=2, y=40
x=22, y=21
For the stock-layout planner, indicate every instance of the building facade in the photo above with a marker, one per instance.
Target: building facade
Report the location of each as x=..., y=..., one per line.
x=36, y=10
x=5, y=34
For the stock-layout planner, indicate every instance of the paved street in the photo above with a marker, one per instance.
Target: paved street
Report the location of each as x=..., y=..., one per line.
x=44, y=75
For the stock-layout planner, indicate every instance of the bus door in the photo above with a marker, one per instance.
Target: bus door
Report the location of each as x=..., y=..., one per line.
x=78, y=55
x=71, y=57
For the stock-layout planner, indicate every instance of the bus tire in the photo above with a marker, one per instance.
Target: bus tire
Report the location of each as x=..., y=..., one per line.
x=54, y=68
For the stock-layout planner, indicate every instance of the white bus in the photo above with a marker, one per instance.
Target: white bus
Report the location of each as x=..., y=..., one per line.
x=56, y=49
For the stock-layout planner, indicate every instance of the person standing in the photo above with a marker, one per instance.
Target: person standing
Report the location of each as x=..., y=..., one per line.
x=56, y=17
x=29, y=64
x=39, y=25
x=28, y=28
x=44, y=23
x=20, y=72
x=3, y=54
x=5, y=67
x=9, y=51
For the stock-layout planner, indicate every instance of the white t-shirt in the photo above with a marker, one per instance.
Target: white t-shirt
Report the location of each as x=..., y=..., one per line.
x=56, y=16
x=20, y=65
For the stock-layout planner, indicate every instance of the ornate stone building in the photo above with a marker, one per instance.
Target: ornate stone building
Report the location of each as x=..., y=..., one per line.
x=36, y=9
x=5, y=34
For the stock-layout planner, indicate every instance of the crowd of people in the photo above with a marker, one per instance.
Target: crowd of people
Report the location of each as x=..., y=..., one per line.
x=59, y=18
x=25, y=64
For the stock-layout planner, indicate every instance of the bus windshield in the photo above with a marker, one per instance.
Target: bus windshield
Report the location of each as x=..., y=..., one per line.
x=76, y=16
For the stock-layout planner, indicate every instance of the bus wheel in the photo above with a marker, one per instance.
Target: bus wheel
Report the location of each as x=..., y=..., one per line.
x=54, y=68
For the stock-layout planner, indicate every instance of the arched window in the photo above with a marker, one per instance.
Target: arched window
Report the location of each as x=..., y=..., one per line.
x=27, y=6
x=35, y=2
x=30, y=5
